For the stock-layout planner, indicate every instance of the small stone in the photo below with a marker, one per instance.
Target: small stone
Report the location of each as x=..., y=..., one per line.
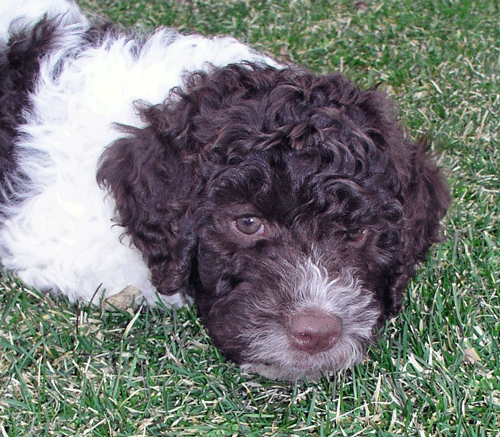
x=126, y=299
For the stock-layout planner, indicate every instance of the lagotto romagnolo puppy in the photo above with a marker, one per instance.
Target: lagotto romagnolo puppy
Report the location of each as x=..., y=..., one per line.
x=289, y=207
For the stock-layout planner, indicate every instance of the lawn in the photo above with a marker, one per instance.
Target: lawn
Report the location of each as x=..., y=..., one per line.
x=78, y=371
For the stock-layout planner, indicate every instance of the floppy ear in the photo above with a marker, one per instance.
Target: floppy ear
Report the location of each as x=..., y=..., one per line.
x=426, y=199
x=152, y=188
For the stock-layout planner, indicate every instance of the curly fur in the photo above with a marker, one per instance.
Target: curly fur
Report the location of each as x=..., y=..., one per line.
x=188, y=136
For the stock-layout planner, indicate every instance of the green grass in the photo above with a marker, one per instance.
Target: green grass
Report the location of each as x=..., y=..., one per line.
x=67, y=371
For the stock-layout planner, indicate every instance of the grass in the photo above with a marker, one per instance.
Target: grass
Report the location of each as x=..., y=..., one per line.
x=75, y=371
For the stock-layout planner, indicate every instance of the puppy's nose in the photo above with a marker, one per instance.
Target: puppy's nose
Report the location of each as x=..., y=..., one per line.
x=313, y=330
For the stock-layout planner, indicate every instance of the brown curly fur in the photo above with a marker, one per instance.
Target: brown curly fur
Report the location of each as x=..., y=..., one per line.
x=324, y=165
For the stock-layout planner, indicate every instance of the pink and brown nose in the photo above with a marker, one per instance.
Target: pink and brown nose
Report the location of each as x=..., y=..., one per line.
x=313, y=330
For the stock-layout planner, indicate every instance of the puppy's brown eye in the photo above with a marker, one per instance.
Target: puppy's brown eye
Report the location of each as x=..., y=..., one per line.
x=249, y=225
x=356, y=235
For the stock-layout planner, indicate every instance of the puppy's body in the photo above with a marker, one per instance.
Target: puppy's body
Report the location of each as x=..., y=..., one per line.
x=289, y=207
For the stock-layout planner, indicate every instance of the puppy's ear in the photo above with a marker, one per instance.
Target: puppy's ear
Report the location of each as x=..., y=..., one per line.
x=151, y=191
x=426, y=199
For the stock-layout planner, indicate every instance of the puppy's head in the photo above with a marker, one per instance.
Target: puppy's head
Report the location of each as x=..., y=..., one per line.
x=290, y=206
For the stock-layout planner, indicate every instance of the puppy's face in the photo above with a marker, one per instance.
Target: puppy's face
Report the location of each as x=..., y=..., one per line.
x=290, y=206
x=292, y=261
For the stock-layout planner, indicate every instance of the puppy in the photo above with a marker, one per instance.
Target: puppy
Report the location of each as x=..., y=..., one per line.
x=290, y=208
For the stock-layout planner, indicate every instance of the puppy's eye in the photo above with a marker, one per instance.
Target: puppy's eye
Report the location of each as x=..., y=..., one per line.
x=249, y=225
x=356, y=235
